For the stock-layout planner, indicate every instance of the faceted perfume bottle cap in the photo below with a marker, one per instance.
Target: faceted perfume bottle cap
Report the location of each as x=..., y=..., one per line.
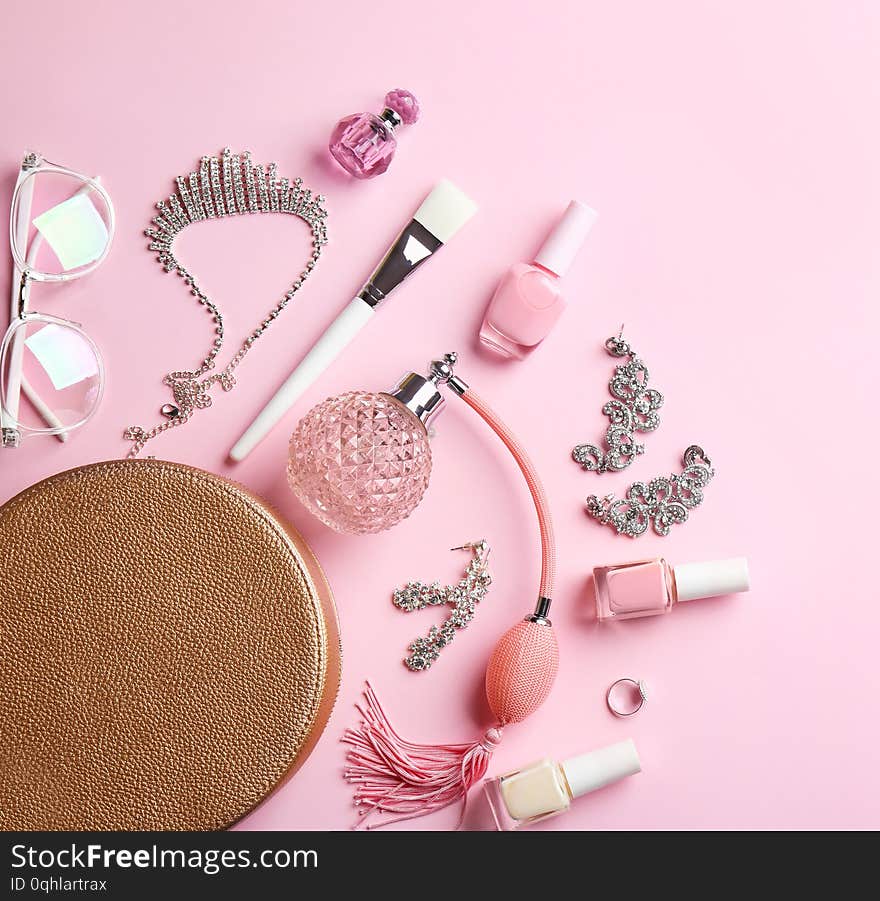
x=404, y=104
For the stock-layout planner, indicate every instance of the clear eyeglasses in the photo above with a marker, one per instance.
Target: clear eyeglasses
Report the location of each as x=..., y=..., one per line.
x=61, y=227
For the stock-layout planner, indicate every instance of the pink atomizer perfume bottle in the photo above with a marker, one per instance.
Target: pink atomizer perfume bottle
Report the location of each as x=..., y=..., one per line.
x=546, y=788
x=364, y=144
x=528, y=300
x=361, y=463
x=650, y=587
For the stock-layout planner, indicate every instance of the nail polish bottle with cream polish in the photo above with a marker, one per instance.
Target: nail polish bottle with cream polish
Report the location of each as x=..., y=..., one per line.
x=649, y=587
x=528, y=300
x=547, y=788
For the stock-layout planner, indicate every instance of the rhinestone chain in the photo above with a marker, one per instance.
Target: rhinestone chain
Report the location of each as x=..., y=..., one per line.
x=215, y=190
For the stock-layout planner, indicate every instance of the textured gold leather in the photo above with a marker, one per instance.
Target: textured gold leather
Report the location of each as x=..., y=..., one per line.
x=169, y=650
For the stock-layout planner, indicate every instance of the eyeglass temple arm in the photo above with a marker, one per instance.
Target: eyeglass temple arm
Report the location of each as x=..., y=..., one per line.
x=22, y=223
x=17, y=382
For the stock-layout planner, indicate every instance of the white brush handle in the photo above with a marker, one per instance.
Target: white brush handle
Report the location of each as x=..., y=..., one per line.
x=327, y=348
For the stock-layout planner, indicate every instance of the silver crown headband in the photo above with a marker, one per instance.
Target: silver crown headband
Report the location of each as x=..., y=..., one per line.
x=230, y=185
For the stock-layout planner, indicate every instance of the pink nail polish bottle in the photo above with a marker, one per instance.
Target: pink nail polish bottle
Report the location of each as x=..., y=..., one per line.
x=528, y=299
x=649, y=587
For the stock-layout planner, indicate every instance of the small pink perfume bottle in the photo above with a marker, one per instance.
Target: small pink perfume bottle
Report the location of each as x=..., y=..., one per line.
x=547, y=788
x=649, y=587
x=364, y=144
x=528, y=299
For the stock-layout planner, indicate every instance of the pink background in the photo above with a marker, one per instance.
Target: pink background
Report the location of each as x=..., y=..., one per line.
x=731, y=150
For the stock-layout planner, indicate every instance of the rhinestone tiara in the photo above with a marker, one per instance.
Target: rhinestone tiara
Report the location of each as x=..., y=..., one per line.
x=230, y=185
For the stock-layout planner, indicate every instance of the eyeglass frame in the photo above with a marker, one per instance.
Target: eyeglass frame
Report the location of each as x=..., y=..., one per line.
x=23, y=273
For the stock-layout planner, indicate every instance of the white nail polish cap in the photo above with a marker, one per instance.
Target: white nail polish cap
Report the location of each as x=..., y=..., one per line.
x=600, y=768
x=562, y=245
x=708, y=580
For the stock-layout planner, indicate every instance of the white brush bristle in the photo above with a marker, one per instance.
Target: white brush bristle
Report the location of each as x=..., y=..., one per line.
x=445, y=210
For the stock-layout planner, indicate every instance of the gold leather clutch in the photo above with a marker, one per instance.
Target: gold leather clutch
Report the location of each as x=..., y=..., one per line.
x=169, y=650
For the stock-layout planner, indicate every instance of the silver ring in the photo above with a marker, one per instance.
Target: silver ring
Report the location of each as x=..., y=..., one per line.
x=643, y=696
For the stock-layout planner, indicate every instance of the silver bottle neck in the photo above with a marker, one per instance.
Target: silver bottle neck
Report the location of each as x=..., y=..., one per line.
x=390, y=120
x=420, y=395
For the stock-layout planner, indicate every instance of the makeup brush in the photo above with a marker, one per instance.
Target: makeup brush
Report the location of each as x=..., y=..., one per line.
x=442, y=213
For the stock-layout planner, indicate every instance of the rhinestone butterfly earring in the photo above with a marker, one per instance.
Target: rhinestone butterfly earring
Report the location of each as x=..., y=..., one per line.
x=463, y=598
x=633, y=409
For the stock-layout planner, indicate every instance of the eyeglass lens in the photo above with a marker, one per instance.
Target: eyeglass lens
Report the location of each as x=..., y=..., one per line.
x=60, y=224
x=48, y=366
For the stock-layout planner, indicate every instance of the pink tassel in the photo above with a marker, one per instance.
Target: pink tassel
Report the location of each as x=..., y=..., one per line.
x=393, y=775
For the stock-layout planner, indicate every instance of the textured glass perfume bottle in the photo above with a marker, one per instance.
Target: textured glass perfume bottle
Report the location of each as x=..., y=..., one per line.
x=364, y=144
x=360, y=461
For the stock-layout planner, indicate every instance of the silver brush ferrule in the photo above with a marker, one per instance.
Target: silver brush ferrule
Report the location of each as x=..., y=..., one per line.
x=413, y=246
